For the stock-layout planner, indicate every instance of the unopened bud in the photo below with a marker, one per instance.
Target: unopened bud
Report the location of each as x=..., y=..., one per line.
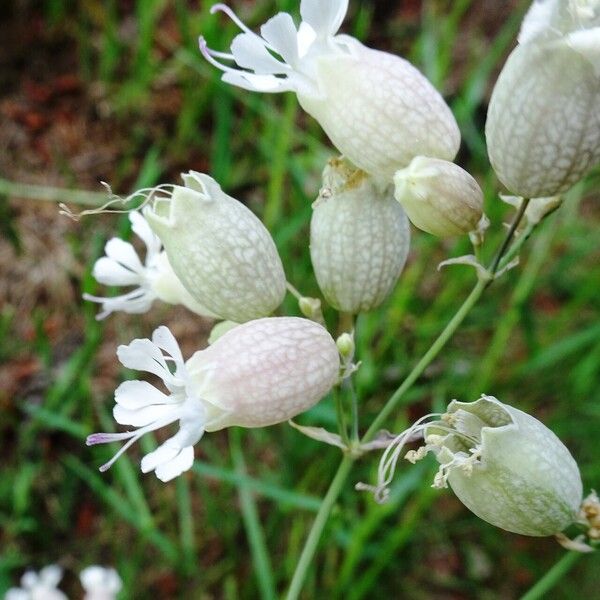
x=439, y=197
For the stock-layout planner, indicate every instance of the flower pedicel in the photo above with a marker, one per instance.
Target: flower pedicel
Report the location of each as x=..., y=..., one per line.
x=257, y=374
x=377, y=109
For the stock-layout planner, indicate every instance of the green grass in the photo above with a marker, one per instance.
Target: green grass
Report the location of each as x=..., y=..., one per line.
x=234, y=527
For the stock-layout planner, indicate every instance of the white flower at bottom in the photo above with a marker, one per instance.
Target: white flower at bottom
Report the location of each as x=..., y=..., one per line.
x=502, y=464
x=100, y=583
x=38, y=586
x=154, y=278
x=260, y=373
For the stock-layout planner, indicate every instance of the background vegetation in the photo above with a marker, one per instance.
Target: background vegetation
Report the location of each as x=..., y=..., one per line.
x=117, y=91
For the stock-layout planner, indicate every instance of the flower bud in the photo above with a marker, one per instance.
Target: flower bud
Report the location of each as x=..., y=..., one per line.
x=359, y=239
x=543, y=125
x=377, y=109
x=502, y=464
x=257, y=374
x=439, y=197
x=219, y=249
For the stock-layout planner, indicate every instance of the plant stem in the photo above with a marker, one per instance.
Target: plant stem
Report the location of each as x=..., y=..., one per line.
x=345, y=466
x=51, y=194
x=553, y=576
x=314, y=536
x=509, y=236
x=341, y=415
x=427, y=359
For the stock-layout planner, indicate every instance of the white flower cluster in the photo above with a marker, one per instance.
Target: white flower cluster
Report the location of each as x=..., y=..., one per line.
x=99, y=583
x=209, y=252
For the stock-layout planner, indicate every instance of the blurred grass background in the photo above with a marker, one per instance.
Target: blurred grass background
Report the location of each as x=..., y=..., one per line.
x=116, y=91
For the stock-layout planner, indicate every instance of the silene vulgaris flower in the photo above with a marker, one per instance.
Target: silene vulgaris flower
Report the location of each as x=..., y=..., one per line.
x=153, y=279
x=100, y=583
x=543, y=124
x=257, y=374
x=218, y=248
x=38, y=586
x=503, y=464
x=377, y=109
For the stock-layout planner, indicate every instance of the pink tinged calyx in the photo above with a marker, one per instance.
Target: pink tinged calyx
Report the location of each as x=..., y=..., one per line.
x=257, y=374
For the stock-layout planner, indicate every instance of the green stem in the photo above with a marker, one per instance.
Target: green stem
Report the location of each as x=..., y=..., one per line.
x=426, y=360
x=314, y=536
x=51, y=194
x=553, y=576
x=341, y=416
x=345, y=466
x=509, y=236
x=256, y=538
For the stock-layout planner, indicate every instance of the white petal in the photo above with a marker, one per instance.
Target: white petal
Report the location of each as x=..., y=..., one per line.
x=538, y=20
x=143, y=416
x=17, y=594
x=164, y=453
x=142, y=229
x=281, y=33
x=250, y=52
x=165, y=340
x=109, y=272
x=134, y=395
x=51, y=575
x=181, y=463
x=587, y=43
x=143, y=355
x=134, y=303
x=124, y=253
x=30, y=579
x=324, y=16
x=258, y=83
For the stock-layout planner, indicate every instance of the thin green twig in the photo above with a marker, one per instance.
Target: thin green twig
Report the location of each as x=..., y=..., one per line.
x=553, y=576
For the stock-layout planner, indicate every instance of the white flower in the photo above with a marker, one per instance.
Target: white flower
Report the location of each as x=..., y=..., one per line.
x=257, y=374
x=502, y=464
x=439, y=197
x=100, y=583
x=154, y=278
x=359, y=239
x=543, y=126
x=377, y=109
x=42, y=586
x=219, y=249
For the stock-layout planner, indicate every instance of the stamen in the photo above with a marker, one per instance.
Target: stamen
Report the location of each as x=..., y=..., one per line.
x=225, y=9
x=147, y=193
x=123, y=448
x=209, y=54
x=134, y=436
x=217, y=54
